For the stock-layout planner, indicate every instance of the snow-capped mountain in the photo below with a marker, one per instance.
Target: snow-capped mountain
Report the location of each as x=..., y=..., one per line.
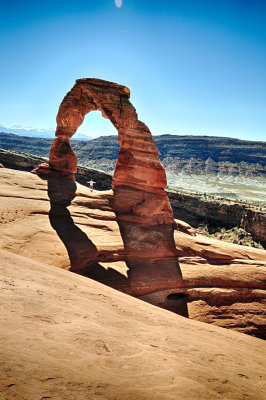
x=38, y=133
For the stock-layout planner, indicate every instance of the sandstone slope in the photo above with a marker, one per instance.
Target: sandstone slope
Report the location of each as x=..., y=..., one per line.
x=223, y=283
x=65, y=336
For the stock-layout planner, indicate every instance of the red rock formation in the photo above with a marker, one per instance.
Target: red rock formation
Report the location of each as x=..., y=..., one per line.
x=138, y=165
x=140, y=202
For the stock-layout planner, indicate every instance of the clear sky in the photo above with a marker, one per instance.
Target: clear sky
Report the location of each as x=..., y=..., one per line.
x=193, y=67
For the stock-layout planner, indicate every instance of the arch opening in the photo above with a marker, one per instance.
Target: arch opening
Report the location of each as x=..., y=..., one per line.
x=102, y=153
x=95, y=125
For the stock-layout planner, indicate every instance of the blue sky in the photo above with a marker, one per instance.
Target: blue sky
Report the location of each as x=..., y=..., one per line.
x=193, y=67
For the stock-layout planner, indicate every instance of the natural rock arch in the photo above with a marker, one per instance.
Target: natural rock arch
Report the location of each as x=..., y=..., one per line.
x=140, y=202
x=138, y=165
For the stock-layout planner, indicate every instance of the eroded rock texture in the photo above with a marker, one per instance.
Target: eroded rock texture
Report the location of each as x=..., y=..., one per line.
x=140, y=202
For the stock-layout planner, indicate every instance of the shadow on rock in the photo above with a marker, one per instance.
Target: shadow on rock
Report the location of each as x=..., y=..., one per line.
x=83, y=254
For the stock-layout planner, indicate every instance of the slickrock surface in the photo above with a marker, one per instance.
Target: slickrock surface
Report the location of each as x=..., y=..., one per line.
x=64, y=336
x=223, y=283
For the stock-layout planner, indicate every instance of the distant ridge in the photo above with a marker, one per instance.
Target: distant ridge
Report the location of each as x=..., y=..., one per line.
x=196, y=155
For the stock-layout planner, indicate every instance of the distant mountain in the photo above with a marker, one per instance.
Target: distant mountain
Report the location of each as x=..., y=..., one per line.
x=191, y=155
x=38, y=133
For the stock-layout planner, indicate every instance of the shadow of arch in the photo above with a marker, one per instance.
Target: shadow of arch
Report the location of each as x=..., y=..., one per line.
x=83, y=254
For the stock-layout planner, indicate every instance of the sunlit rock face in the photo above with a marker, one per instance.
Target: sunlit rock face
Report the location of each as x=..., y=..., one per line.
x=139, y=201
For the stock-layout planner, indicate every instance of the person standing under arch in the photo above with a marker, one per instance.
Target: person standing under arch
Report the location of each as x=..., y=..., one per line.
x=91, y=182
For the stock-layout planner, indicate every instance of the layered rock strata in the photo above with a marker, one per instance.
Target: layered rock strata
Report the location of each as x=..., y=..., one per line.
x=140, y=202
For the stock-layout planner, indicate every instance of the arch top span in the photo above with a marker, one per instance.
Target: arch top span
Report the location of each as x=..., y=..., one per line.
x=89, y=94
x=123, y=90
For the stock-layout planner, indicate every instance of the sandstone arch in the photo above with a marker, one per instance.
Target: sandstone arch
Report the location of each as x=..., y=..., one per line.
x=140, y=202
x=138, y=165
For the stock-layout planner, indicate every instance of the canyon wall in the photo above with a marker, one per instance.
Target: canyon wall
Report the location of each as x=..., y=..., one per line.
x=197, y=211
